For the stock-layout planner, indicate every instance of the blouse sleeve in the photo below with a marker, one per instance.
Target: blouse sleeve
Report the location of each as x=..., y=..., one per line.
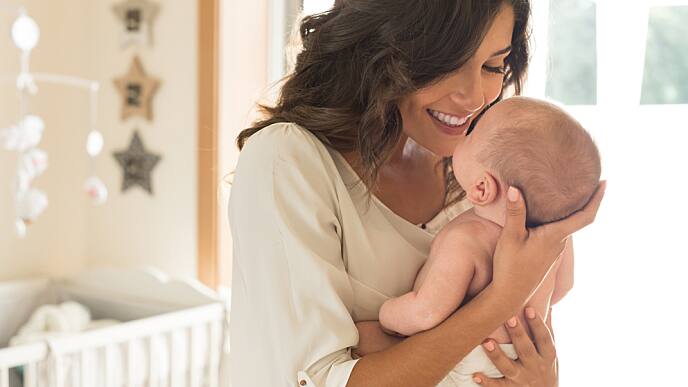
x=291, y=321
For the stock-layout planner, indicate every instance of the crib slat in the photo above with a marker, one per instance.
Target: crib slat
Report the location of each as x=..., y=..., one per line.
x=84, y=369
x=4, y=377
x=109, y=366
x=30, y=375
x=194, y=377
x=57, y=372
x=76, y=377
x=130, y=363
x=42, y=369
x=214, y=355
x=172, y=380
x=152, y=362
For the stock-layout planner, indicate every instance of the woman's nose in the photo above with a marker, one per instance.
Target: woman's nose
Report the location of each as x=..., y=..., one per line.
x=469, y=93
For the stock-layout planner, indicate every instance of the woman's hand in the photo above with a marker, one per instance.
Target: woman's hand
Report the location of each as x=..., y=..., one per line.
x=524, y=256
x=537, y=362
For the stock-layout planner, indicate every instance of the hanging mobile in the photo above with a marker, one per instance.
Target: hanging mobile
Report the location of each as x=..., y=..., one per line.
x=25, y=136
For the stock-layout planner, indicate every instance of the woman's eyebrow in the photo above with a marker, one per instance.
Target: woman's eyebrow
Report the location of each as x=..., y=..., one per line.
x=501, y=52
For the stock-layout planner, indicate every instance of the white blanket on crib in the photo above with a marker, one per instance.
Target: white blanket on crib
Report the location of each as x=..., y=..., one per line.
x=50, y=321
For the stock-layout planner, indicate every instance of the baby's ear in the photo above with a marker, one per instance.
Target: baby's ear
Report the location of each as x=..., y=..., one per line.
x=485, y=189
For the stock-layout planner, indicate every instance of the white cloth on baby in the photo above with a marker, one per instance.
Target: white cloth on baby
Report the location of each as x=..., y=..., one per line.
x=476, y=361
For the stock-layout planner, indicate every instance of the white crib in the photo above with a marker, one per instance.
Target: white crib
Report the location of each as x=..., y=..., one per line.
x=173, y=333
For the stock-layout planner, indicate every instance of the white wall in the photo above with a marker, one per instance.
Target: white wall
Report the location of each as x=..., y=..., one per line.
x=81, y=37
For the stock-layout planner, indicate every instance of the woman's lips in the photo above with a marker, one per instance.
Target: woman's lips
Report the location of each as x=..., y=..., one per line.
x=447, y=129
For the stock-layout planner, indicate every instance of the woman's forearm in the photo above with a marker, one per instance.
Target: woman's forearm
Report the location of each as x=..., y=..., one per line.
x=372, y=338
x=426, y=358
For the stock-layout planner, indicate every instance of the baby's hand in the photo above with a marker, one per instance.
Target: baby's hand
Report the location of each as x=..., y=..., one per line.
x=391, y=332
x=372, y=338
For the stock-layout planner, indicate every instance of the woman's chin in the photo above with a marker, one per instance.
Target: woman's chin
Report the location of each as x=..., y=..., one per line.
x=445, y=149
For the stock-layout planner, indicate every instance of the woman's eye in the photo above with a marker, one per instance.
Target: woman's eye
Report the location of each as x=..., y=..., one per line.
x=496, y=70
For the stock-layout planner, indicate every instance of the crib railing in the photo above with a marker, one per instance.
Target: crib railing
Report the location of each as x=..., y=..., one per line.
x=176, y=349
x=27, y=356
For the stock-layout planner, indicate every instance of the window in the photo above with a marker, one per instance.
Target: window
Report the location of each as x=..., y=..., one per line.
x=666, y=60
x=572, y=70
x=631, y=93
x=315, y=6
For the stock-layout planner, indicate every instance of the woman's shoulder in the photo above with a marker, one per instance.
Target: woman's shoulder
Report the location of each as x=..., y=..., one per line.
x=286, y=141
x=286, y=149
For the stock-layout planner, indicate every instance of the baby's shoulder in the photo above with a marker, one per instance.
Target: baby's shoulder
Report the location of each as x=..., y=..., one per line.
x=462, y=232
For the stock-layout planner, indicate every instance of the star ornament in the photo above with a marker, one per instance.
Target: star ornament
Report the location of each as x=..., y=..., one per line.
x=136, y=17
x=136, y=90
x=137, y=164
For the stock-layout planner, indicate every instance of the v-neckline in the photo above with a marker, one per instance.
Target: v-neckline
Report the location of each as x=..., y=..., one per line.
x=428, y=229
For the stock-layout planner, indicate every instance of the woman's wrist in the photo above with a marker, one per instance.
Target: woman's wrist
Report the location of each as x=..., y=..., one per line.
x=505, y=300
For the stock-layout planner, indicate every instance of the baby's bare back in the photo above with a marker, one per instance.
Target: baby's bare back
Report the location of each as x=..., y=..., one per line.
x=446, y=251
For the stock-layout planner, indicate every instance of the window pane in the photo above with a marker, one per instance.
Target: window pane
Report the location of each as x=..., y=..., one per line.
x=316, y=6
x=572, y=71
x=666, y=59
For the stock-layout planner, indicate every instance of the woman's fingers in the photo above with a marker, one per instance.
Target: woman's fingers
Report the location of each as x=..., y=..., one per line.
x=483, y=380
x=523, y=344
x=515, y=223
x=504, y=364
x=581, y=218
x=543, y=336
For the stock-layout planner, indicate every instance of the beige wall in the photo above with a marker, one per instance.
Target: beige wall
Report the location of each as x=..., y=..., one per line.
x=80, y=37
x=135, y=228
x=252, y=39
x=55, y=244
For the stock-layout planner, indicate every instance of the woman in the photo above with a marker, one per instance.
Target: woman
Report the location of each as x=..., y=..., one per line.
x=339, y=191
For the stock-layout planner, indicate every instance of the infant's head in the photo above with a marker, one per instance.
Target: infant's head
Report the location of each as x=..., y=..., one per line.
x=536, y=147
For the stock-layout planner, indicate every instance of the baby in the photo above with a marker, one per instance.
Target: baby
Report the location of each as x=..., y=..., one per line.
x=532, y=145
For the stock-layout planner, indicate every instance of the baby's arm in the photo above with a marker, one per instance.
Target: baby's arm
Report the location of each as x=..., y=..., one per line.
x=443, y=288
x=564, y=276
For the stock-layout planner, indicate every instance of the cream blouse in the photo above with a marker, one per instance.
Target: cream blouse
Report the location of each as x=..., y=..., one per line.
x=312, y=256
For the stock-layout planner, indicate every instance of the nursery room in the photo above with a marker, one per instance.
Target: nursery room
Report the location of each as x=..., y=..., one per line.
x=274, y=192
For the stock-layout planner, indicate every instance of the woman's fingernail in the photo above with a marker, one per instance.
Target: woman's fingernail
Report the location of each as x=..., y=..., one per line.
x=530, y=313
x=512, y=194
x=512, y=322
x=477, y=379
x=489, y=345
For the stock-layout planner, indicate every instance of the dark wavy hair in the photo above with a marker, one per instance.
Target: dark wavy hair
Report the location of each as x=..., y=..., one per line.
x=362, y=56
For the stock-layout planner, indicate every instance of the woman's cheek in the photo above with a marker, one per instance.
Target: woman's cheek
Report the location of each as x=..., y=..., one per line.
x=494, y=89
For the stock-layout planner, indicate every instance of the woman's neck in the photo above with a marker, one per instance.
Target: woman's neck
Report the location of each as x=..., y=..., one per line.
x=406, y=156
x=408, y=153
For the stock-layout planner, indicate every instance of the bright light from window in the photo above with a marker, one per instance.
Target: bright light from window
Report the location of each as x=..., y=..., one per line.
x=622, y=324
x=316, y=6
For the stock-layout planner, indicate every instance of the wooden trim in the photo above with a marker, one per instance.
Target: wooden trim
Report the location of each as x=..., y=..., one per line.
x=208, y=80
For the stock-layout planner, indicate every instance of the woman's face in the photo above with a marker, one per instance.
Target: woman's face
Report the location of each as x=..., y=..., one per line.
x=437, y=116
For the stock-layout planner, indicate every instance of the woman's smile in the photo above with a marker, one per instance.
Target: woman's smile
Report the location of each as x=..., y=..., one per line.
x=450, y=124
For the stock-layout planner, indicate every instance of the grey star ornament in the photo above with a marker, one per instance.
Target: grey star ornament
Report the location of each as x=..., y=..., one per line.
x=137, y=164
x=137, y=18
